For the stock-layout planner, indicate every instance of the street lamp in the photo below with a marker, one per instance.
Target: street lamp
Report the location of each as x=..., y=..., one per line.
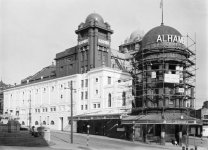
x=88, y=132
x=71, y=89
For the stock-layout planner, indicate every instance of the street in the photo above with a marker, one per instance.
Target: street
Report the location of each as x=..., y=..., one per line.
x=61, y=141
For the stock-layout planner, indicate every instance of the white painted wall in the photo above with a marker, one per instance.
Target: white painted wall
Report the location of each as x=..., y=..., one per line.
x=52, y=94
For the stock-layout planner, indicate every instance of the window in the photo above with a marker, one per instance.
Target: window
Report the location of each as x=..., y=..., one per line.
x=109, y=80
x=36, y=122
x=96, y=91
x=86, y=94
x=81, y=107
x=94, y=105
x=82, y=83
x=98, y=105
x=82, y=95
x=44, y=122
x=81, y=57
x=52, y=122
x=70, y=66
x=82, y=69
x=53, y=109
x=23, y=123
x=61, y=96
x=86, y=82
x=86, y=68
x=205, y=116
x=86, y=55
x=85, y=107
x=109, y=100
x=96, y=79
x=17, y=112
x=124, y=99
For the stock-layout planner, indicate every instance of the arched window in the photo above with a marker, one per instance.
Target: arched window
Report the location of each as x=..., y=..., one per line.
x=23, y=123
x=44, y=122
x=109, y=100
x=52, y=122
x=36, y=122
x=124, y=99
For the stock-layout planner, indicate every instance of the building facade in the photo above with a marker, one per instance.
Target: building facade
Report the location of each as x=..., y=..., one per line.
x=101, y=92
x=3, y=86
x=204, y=117
x=164, y=94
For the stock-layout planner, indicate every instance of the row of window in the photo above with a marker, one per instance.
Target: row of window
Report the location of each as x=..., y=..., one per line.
x=96, y=105
x=84, y=69
x=82, y=107
x=84, y=56
x=44, y=123
x=86, y=83
x=45, y=109
x=86, y=95
x=44, y=89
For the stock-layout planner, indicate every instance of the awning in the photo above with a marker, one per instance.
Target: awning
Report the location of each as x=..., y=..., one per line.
x=99, y=115
x=165, y=118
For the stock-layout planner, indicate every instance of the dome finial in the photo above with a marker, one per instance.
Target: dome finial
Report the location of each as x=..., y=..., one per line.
x=161, y=6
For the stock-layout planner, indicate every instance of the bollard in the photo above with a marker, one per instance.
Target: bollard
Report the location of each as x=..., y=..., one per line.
x=195, y=147
x=88, y=131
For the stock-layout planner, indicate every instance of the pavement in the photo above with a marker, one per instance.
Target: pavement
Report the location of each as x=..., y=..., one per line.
x=75, y=146
x=25, y=141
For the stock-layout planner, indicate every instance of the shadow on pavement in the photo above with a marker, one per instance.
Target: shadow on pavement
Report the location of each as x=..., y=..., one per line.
x=22, y=138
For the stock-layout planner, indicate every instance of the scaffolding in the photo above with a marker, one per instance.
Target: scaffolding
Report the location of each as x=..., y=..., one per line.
x=164, y=76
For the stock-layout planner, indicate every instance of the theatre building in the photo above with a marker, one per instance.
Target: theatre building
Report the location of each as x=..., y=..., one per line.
x=164, y=94
x=101, y=86
x=143, y=91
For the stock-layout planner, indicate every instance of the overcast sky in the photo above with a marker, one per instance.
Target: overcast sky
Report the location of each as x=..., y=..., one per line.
x=33, y=31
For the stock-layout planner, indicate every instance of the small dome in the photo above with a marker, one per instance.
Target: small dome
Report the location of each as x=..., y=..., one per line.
x=95, y=17
x=126, y=40
x=151, y=36
x=138, y=34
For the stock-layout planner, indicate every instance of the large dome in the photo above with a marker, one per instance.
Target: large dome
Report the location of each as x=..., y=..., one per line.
x=151, y=36
x=136, y=35
x=94, y=17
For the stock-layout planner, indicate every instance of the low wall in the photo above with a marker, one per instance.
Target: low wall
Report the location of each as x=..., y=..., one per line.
x=11, y=126
x=3, y=128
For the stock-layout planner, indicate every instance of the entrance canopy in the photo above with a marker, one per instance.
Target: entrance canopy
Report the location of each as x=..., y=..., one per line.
x=99, y=115
x=165, y=118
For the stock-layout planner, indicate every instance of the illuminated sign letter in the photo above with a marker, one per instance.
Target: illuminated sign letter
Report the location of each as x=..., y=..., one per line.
x=170, y=38
x=159, y=38
x=181, y=40
x=175, y=38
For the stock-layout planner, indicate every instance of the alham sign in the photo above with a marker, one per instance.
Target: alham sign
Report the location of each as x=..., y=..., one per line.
x=170, y=38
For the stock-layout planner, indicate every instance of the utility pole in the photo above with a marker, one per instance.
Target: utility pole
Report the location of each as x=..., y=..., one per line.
x=71, y=87
x=30, y=121
x=71, y=120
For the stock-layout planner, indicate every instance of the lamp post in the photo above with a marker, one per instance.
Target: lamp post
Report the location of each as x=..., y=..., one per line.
x=88, y=132
x=71, y=89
